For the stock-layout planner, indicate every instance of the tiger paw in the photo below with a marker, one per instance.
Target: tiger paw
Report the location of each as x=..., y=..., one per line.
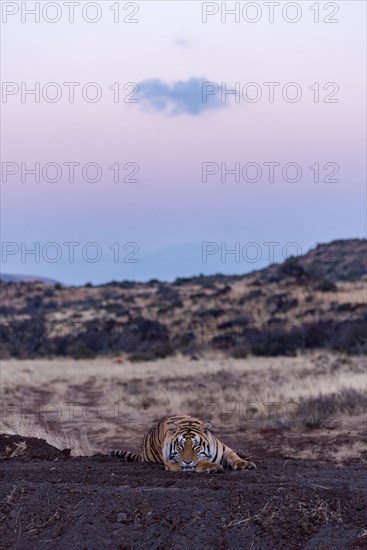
x=208, y=468
x=172, y=467
x=243, y=465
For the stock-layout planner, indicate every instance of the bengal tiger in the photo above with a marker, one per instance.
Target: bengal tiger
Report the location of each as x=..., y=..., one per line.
x=184, y=443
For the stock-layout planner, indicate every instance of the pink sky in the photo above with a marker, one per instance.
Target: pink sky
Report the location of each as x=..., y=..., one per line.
x=170, y=211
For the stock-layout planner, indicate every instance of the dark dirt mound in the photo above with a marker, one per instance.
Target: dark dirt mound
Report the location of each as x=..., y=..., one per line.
x=29, y=447
x=99, y=502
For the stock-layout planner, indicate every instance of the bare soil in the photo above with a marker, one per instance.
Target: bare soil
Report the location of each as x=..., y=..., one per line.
x=52, y=500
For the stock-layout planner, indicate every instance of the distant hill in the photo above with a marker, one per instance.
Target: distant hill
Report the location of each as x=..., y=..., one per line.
x=341, y=260
x=10, y=278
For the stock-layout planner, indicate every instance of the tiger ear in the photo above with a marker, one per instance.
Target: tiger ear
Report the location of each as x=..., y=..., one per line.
x=207, y=426
x=171, y=427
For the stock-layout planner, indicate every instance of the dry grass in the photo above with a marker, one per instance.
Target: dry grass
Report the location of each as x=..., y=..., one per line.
x=348, y=451
x=328, y=451
x=93, y=405
x=339, y=455
x=315, y=511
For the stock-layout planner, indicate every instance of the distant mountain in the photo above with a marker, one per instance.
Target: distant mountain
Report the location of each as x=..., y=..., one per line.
x=339, y=260
x=10, y=278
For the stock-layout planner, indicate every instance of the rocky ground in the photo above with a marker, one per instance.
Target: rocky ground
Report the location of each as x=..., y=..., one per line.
x=51, y=500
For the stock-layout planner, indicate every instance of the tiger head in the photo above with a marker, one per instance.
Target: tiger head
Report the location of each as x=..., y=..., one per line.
x=188, y=446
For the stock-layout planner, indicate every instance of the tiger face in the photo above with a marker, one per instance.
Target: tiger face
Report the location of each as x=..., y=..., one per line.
x=187, y=449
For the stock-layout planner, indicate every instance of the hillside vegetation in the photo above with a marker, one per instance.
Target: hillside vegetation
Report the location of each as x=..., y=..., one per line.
x=313, y=301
